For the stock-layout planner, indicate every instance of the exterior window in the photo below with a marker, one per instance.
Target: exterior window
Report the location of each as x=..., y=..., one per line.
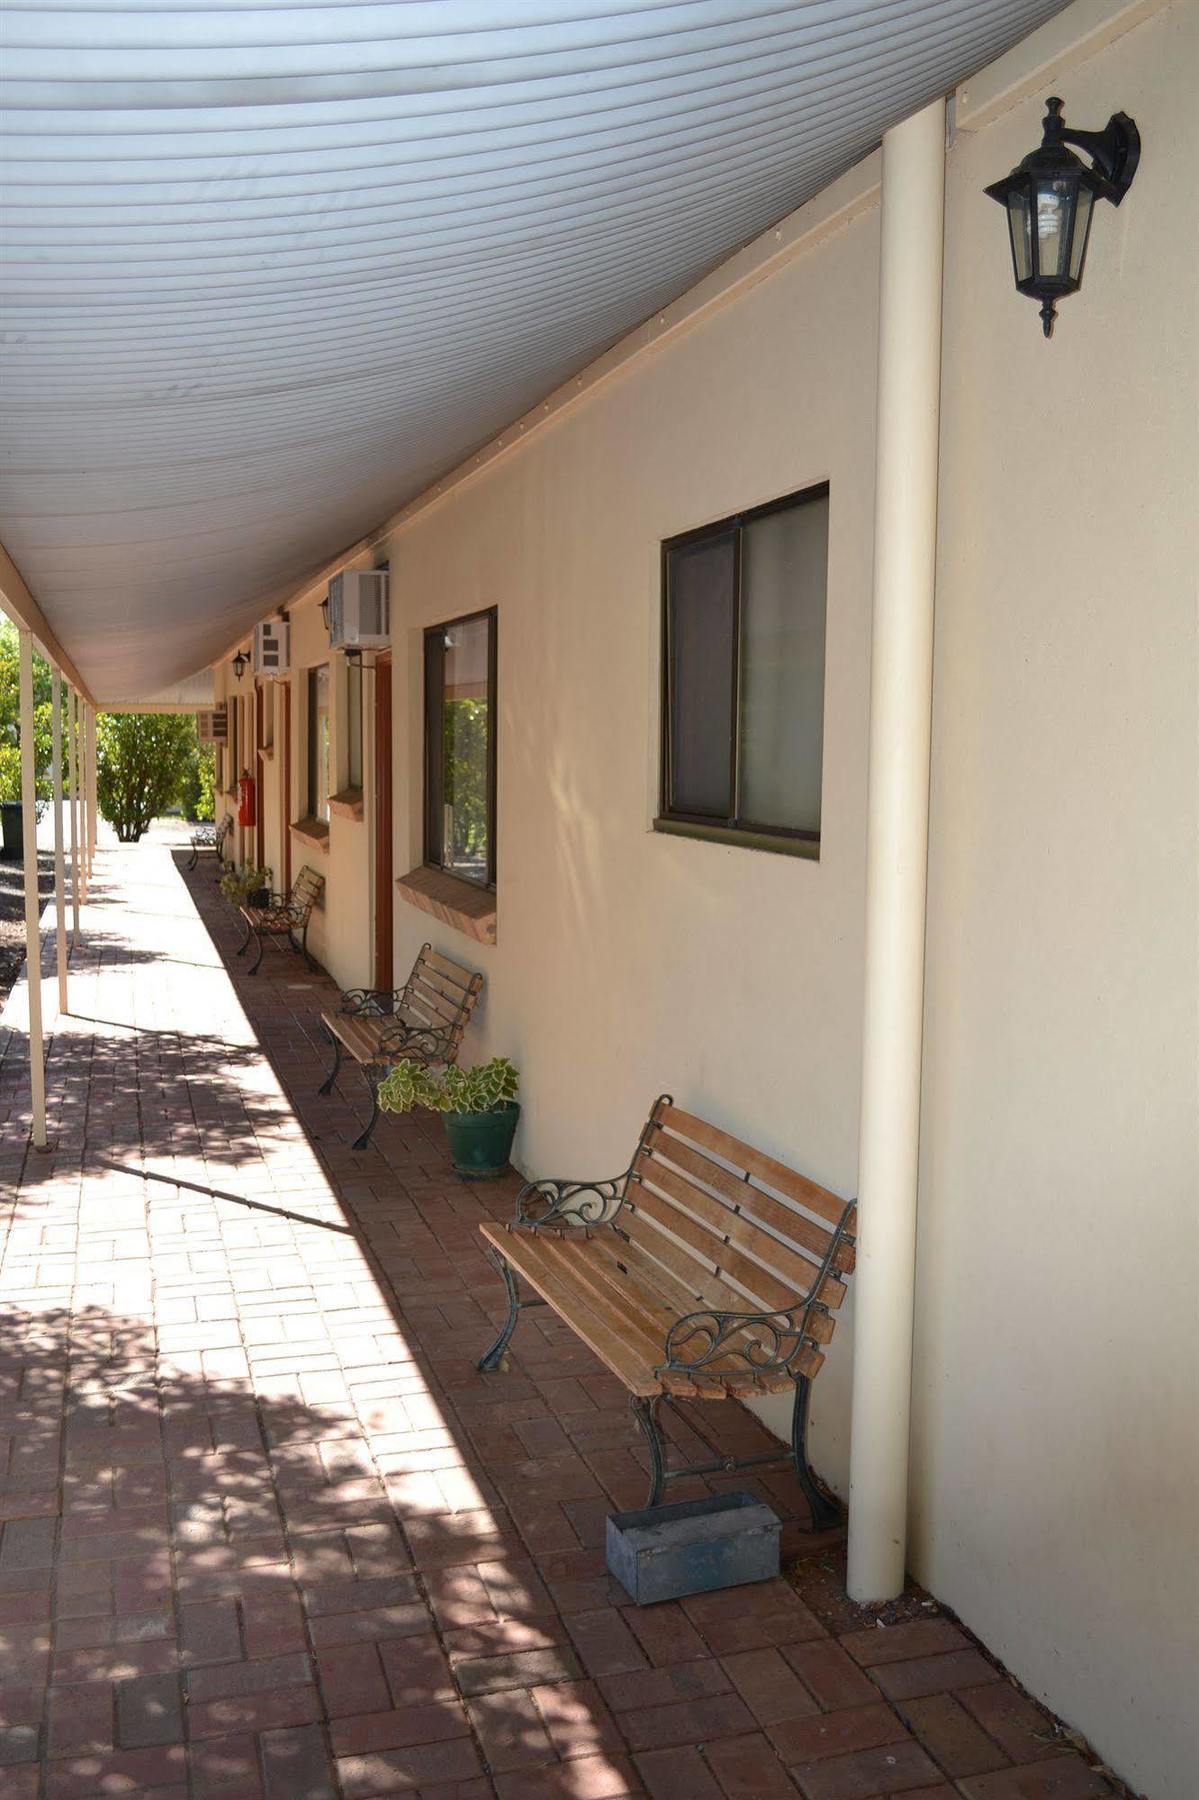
x=460, y=720
x=743, y=674
x=354, y=722
x=318, y=743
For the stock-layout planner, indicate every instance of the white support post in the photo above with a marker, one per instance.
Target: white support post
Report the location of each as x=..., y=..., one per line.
x=80, y=819
x=33, y=936
x=60, y=878
x=73, y=808
x=90, y=717
x=905, y=534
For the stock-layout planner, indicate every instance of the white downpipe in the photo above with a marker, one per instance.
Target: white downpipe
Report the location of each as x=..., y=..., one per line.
x=73, y=806
x=33, y=936
x=905, y=533
x=60, y=876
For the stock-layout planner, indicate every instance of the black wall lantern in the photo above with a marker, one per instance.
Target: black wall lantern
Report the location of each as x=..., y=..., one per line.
x=1049, y=198
x=325, y=613
x=240, y=664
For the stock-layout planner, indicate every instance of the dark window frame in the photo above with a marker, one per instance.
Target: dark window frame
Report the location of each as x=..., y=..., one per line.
x=723, y=826
x=313, y=712
x=434, y=771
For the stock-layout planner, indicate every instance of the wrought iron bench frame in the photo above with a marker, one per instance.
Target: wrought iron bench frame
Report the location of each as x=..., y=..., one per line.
x=418, y=1029
x=713, y=1351
x=282, y=917
x=211, y=837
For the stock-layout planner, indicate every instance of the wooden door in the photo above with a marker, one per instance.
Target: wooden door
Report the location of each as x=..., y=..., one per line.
x=283, y=750
x=384, y=871
x=258, y=771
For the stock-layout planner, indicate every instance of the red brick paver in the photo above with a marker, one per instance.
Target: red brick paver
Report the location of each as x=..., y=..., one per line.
x=265, y=1531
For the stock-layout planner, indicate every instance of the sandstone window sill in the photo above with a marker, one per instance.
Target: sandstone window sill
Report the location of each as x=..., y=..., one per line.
x=348, y=804
x=467, y=908
x=312, y=831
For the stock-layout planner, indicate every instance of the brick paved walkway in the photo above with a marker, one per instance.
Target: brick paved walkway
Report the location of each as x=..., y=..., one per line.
x=267, y=1532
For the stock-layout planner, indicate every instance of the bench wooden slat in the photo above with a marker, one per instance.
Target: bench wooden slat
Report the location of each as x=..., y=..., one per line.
x=458, y=973
x=612, y=1298
x=663, y=1204
x=521, y=1250
x=783, y=1260
x=749, y=1200
x=764, y=1168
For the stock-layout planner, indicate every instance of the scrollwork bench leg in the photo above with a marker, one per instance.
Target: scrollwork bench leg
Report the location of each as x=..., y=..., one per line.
x=492, y=1358
x=645, y=1411
x=374, y=1074
x=326, y=1086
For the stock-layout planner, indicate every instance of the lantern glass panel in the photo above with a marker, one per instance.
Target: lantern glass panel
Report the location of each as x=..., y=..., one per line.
x=1019, y=214
x=1055, y=210
x=1082, y=227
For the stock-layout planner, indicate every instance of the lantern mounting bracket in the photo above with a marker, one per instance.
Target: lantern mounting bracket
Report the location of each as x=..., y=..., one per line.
x=1116, y=150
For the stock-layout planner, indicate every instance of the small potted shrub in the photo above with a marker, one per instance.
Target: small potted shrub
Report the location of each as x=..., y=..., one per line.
x=478, y=1107
x=246, y=887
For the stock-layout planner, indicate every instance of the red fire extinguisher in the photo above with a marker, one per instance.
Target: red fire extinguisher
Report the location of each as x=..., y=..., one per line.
x=245, y=800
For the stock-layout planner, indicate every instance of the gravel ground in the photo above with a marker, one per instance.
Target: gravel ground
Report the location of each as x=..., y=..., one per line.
x=12, y=913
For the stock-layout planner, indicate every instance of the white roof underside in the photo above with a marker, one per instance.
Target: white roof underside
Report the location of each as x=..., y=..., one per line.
x=269, y=271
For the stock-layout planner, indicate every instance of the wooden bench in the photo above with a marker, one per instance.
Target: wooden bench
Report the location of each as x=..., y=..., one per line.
x=211, y=837
x=283, y=916
x=424, y=1020
x=707, y=1270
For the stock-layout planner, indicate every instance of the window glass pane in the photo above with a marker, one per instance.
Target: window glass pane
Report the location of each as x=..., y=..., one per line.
x=784, y=568
x=1082, y=225
x=700, y=676
x=465, y=729
x=1020, y=225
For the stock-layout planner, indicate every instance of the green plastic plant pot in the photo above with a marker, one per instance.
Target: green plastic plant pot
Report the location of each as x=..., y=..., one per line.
x=481, y=1142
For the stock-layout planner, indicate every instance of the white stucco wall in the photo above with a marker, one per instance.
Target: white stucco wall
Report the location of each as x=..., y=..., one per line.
x=629, y=962
x=1056, y=1454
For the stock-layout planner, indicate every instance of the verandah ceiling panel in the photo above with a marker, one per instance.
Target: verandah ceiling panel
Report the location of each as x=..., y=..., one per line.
x=269, y=270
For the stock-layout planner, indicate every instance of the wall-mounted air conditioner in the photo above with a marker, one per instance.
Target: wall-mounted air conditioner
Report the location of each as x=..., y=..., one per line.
x=272, y=647
x=359, y=611
x=213, y=727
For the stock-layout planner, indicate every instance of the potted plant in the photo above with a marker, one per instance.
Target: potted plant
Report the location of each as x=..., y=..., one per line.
x=246, y=887
x=478, y=1106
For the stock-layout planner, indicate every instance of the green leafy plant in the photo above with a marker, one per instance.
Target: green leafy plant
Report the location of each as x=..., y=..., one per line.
x=238, y=884
x=485, y=1088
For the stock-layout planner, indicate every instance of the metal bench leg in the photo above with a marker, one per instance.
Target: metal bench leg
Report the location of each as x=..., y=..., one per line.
x=311, y=961
x=257, y=936
x=645, y=1411
x=326, y=1086
x=826, y=1512
x=495, y=1357
x=247, y=928
x=194, y=854
x=373, y=1075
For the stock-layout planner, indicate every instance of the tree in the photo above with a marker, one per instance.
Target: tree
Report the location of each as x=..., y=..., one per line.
x=142, y=760
x=10, y=717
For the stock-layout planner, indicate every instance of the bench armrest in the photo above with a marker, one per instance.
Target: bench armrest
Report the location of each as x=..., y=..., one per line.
x=766, y=1343
x=371, y=1003
x=571, y=1203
